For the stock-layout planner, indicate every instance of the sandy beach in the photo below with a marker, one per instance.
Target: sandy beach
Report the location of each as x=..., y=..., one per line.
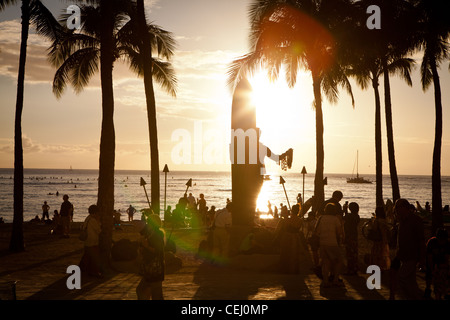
x=40, y=272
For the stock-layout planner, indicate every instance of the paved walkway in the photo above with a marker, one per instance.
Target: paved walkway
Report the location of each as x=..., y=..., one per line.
x=41, y=275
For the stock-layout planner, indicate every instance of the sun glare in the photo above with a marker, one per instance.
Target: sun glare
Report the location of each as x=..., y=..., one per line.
x=284, y=115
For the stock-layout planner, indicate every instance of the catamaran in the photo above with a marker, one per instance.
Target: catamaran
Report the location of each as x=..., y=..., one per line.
x=357, y=179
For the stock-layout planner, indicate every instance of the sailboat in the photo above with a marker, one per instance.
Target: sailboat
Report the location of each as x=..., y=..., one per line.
x=358, y=179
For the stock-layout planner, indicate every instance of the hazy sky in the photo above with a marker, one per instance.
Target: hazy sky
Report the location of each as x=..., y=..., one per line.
x=210, y=34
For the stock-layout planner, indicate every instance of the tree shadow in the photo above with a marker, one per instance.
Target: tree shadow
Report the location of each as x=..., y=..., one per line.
x=59, y=291
x=43, y=262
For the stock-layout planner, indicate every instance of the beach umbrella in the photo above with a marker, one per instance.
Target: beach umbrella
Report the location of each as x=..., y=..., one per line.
x=143, y=183
x=165, y=170
x=282, y=182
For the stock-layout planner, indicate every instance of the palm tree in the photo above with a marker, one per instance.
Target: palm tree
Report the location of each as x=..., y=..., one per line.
x=78, y=57
x=33, y=12
x=375, y=54
x=398, y=42
x=297, y=34
x=434, y=28
x=144, y=39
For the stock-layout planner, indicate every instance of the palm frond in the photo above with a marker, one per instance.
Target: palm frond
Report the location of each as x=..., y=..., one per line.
x=426, y=76
x=68, y=43
x=86, y=66
x=133, y=58
x=164, y=75
x=402, y=67
x=5, y=3
x=162, y=41
x=77, y=70
x=242, y=67
x=292, y=65
x=44, y=21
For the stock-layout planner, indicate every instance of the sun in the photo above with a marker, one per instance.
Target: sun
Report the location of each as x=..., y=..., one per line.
x=284, y=115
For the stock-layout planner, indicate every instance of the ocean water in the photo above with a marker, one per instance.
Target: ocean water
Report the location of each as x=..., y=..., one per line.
x=81, y=185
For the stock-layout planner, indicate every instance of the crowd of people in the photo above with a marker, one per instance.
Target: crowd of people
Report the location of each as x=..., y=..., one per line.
x=399, y=246
x=329, y=232
x=190, y=212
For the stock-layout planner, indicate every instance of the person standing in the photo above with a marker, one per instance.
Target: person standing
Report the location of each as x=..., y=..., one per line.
x=380, y=249
x=336, y=197
x=45, y=208
x=202, y=209
x=410, y=250
x=66, y=214
x=438, y=265
x=151, y=253
x=90, y=261
x=131, y=211
x=351, y=221
x=329, y=230
x=221, y=233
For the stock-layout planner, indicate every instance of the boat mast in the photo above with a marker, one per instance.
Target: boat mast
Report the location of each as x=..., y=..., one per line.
x=357, y=168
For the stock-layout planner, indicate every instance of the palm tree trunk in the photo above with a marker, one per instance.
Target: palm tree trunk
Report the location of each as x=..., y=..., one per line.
x=17, y=242
x=319, y=192
x=146, y=50
x=390, y=135
x=437, y=218
x=105, y=199
x=378, y=149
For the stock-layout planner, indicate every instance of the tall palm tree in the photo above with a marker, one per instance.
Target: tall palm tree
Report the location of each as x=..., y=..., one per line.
x=434, y=28
x=375, y=54
x=146, y=38
x=33, y=12
x=77, y=56
x=398, y=40
x=297, y=34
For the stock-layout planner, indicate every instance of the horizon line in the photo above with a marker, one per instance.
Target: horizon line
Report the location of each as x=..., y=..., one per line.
x=221, y=171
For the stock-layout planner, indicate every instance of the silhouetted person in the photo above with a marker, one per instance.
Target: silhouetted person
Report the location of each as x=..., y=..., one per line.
x=284, y=213
x=90, y=261
x=183, y=202
x=351, y=221
x=336, y=197
x=438, y=265
x=329, y=230
x=202, y=208
x=288, y=233
x=45, y=208
x=380, y=253
x=178, y=216
x=151, y=248
x=66, y=213
x=410, y=251
x=168, y=216
x=131, y=211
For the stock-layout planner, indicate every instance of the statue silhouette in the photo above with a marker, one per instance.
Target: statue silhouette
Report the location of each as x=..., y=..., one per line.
x=247, y=155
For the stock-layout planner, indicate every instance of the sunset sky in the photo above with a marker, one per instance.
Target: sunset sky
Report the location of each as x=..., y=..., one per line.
x=210, y=34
